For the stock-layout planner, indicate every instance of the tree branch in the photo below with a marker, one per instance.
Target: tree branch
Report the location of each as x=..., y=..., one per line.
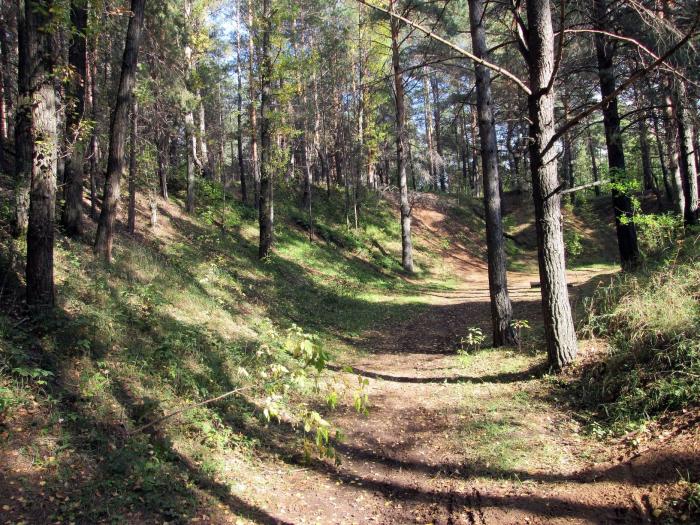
x=631, y=80
x=452, y=46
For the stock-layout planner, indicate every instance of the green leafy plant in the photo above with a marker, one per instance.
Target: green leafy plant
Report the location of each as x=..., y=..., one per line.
x=572, y=244
x=472, y=342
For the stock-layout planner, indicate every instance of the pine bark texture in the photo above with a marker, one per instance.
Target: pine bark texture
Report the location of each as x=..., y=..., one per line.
x=26, y=49
x=404, y=204
x=622, y=203
x=265, y=216
x=72, y=216
x=501, y=308
x=44, y=151
x=119, y=128
x=558, y=321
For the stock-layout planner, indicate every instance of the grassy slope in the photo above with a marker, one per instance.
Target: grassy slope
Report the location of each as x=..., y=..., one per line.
x=170, y=322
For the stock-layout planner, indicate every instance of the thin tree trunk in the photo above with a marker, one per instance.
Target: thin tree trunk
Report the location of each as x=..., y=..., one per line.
x=475, y=156
x=164, y=146
x=558, y=321
x=72, y=217
x=190, y=152
x=594, y=160
x=131, y=216
x=201, y=136
x=674, y=162
x=622, y=203
x=239, y=102
x=662, y=161
x=406, y=242
x=501, y=308
x=432, y=172
x=647, y=171
x=437, y=112
x=44, y=102
x=255, y=167
x=23, y=125
x=687, y=160
x=265, y=217
x=118, y=130
x=92, y=94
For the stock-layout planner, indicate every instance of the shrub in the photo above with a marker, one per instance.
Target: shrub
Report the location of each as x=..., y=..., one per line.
x=650, y=319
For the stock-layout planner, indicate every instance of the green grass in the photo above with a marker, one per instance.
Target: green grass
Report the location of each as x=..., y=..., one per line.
x=650, y=319
x=173, y=321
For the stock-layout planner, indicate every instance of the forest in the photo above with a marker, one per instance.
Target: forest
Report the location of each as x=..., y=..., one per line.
x=349, y=261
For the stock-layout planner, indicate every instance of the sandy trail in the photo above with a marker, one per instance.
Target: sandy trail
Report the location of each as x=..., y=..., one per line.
x=451, y=440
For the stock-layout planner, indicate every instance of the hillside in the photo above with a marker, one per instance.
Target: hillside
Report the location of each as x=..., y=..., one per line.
x=449, y=432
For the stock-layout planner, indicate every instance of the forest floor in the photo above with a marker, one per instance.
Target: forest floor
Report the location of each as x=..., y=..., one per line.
x=472, y=438
x=452, y=435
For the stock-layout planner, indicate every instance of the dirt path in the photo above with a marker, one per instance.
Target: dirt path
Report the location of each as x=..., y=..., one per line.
x=476, y=439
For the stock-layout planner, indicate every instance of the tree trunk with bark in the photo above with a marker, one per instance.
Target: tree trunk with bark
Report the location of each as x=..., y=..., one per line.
x=72, y=217
x=133, y=133
x=622, y=203
x=239, y=104
x=44, y=102
x=687, y=160
x=432, y=172
x=558, y=321
x=501, y=308
x=265, y=210
x=673, y=153
x=116, y=159
x=594, y=160
x=26, y=44
x=253, y=114
x=437, y=113
x=405, y=206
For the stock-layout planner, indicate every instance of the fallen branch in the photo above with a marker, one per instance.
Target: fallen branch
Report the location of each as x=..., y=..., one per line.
x=188, y=408
x=584, y=186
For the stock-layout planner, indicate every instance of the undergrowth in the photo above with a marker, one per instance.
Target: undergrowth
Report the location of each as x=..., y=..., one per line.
x=650, y=320
x=186, y=313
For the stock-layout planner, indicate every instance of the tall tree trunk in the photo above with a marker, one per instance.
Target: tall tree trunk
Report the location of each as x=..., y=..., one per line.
x=133, y=133
x=622, y=203
x=501, y=308
x=594, y=160
x=406, y=242
x=8, y=21
x=558, y=321
x=72, y=217
x=265, y=209
x=475, y=156
x=8, y=61
x=201, y=136
x=432, y=172
x=92, y=94
x=662, y=160
x=687, y=160
x=437, y=112
x=23, y=124
x=672, y=151
x=644, y=150
x=255, y=166
x=191, y=154
x=44, y=150
x=239, y=102
x=163, y=146
x=116, y=159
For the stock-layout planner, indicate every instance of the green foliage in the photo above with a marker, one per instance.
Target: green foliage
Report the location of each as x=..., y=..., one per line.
x=472, y=342
x=572, y=244
x=650, y=320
